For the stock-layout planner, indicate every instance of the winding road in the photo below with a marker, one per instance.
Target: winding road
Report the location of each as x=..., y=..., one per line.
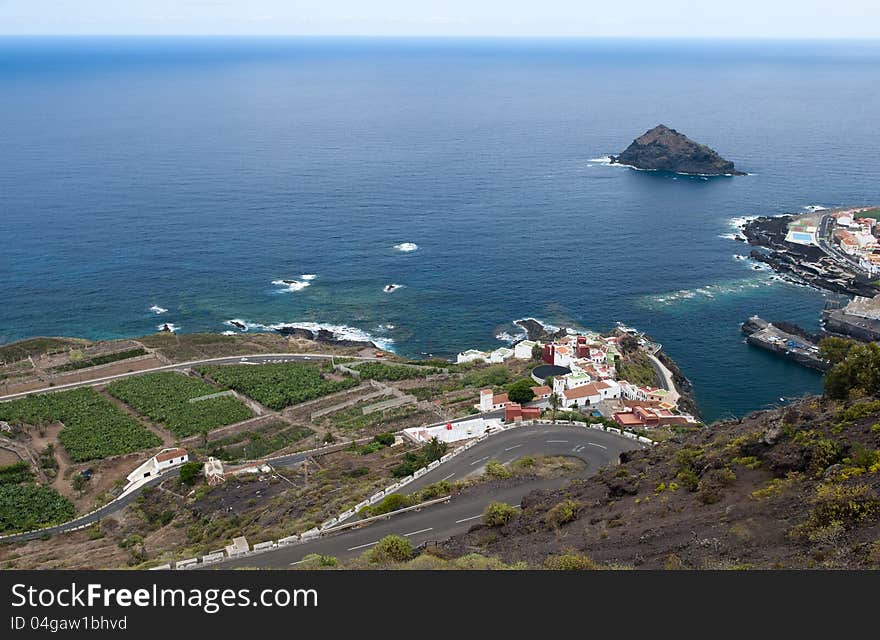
x=439, y=522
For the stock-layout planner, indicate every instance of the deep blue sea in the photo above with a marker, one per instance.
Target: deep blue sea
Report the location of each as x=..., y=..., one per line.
x=191, y=174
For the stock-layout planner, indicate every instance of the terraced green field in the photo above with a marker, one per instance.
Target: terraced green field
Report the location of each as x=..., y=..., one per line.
x=165, y=398
x=277, y=385
x=93, y=427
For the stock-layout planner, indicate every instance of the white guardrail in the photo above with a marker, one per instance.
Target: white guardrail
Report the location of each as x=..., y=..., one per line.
x=335, y=524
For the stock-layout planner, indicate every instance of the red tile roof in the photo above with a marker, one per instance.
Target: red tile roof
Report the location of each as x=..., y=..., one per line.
x=592, y=389
x=165, y=456
x=542, y=391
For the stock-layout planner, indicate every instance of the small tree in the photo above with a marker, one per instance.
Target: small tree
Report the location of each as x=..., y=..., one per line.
x=189, y=472
x=537, y=352
x=554, y=405
x=434, y=450
x=521, y=391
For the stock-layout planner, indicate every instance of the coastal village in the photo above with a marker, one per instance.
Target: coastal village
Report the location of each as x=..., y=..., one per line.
x=831, y=249
x=849, y=235
x=578, y=373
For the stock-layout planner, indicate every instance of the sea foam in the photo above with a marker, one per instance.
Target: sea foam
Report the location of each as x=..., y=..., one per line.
x=406, y=247
x=158, y=310
x=291, y=285
x=339, y=331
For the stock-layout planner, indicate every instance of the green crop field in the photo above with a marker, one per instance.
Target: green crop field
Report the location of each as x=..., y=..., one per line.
x=164, y=397
x=377, y=371
x=93, y=427
x=27, y=506
x=107, y=358
x=277, y=385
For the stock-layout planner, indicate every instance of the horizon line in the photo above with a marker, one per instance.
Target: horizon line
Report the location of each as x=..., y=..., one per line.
x=392, y=36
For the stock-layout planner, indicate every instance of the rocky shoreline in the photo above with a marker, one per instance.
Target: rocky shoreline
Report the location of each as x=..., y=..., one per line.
x=803, y=264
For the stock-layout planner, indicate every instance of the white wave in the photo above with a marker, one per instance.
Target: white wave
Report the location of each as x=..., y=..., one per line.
x=731, y=236
x=168, y=326
x=510, y=338
x=241, y=325
x=339, y=331
x=292, y=285
x=387, y=327
x=158, y=310
x=740, y=221
x=308, y=276
x=737, y=256
x=711, y=291
x=406, y=247
x=547, y=326
x=391, y=288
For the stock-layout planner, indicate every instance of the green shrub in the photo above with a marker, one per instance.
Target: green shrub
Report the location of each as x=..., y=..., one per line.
x=561, y=513
x=749, y=462
x=570, y=562
x=388, y=504
x=688, y=478
x=498, y=514
x=386, y=439
x=836, y=505
x=189, y=472
x=497, y=471
x=391, y=549
x=316, y=561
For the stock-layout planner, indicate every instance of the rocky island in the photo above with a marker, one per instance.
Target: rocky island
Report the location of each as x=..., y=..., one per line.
x=665, y=149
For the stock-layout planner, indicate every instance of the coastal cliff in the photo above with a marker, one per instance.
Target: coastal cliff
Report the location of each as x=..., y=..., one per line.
x=665, y=149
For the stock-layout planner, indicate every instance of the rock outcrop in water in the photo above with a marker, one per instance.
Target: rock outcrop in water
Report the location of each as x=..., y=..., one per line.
x=665, y=149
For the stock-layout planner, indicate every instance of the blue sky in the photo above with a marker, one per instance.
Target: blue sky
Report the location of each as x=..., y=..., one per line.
x=607, y=18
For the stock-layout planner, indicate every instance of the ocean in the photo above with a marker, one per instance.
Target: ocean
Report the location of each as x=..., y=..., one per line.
x=196, y=175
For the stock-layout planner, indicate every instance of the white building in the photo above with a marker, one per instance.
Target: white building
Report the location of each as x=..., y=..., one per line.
x=454, y=431
x=490, y=401
x=500, y=355
x=590, y=394
x=523, y=350
x=472, y=355
x=577, y=379
x=159, y=463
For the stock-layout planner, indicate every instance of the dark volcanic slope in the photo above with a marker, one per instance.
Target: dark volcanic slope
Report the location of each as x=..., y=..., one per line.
x=796, y=487
x=665, y=149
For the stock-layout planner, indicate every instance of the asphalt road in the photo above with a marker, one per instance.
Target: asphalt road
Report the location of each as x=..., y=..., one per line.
x=439, y=522
x=120, y=503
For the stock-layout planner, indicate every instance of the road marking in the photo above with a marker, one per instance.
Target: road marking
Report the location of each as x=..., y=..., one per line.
x=418, y=532
x=601, y=446
x=480, y=460
x=466, y=519
x=297, y=562
x=513, y=447
x=361, y=546
x=449, y=476
x=559, y=441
